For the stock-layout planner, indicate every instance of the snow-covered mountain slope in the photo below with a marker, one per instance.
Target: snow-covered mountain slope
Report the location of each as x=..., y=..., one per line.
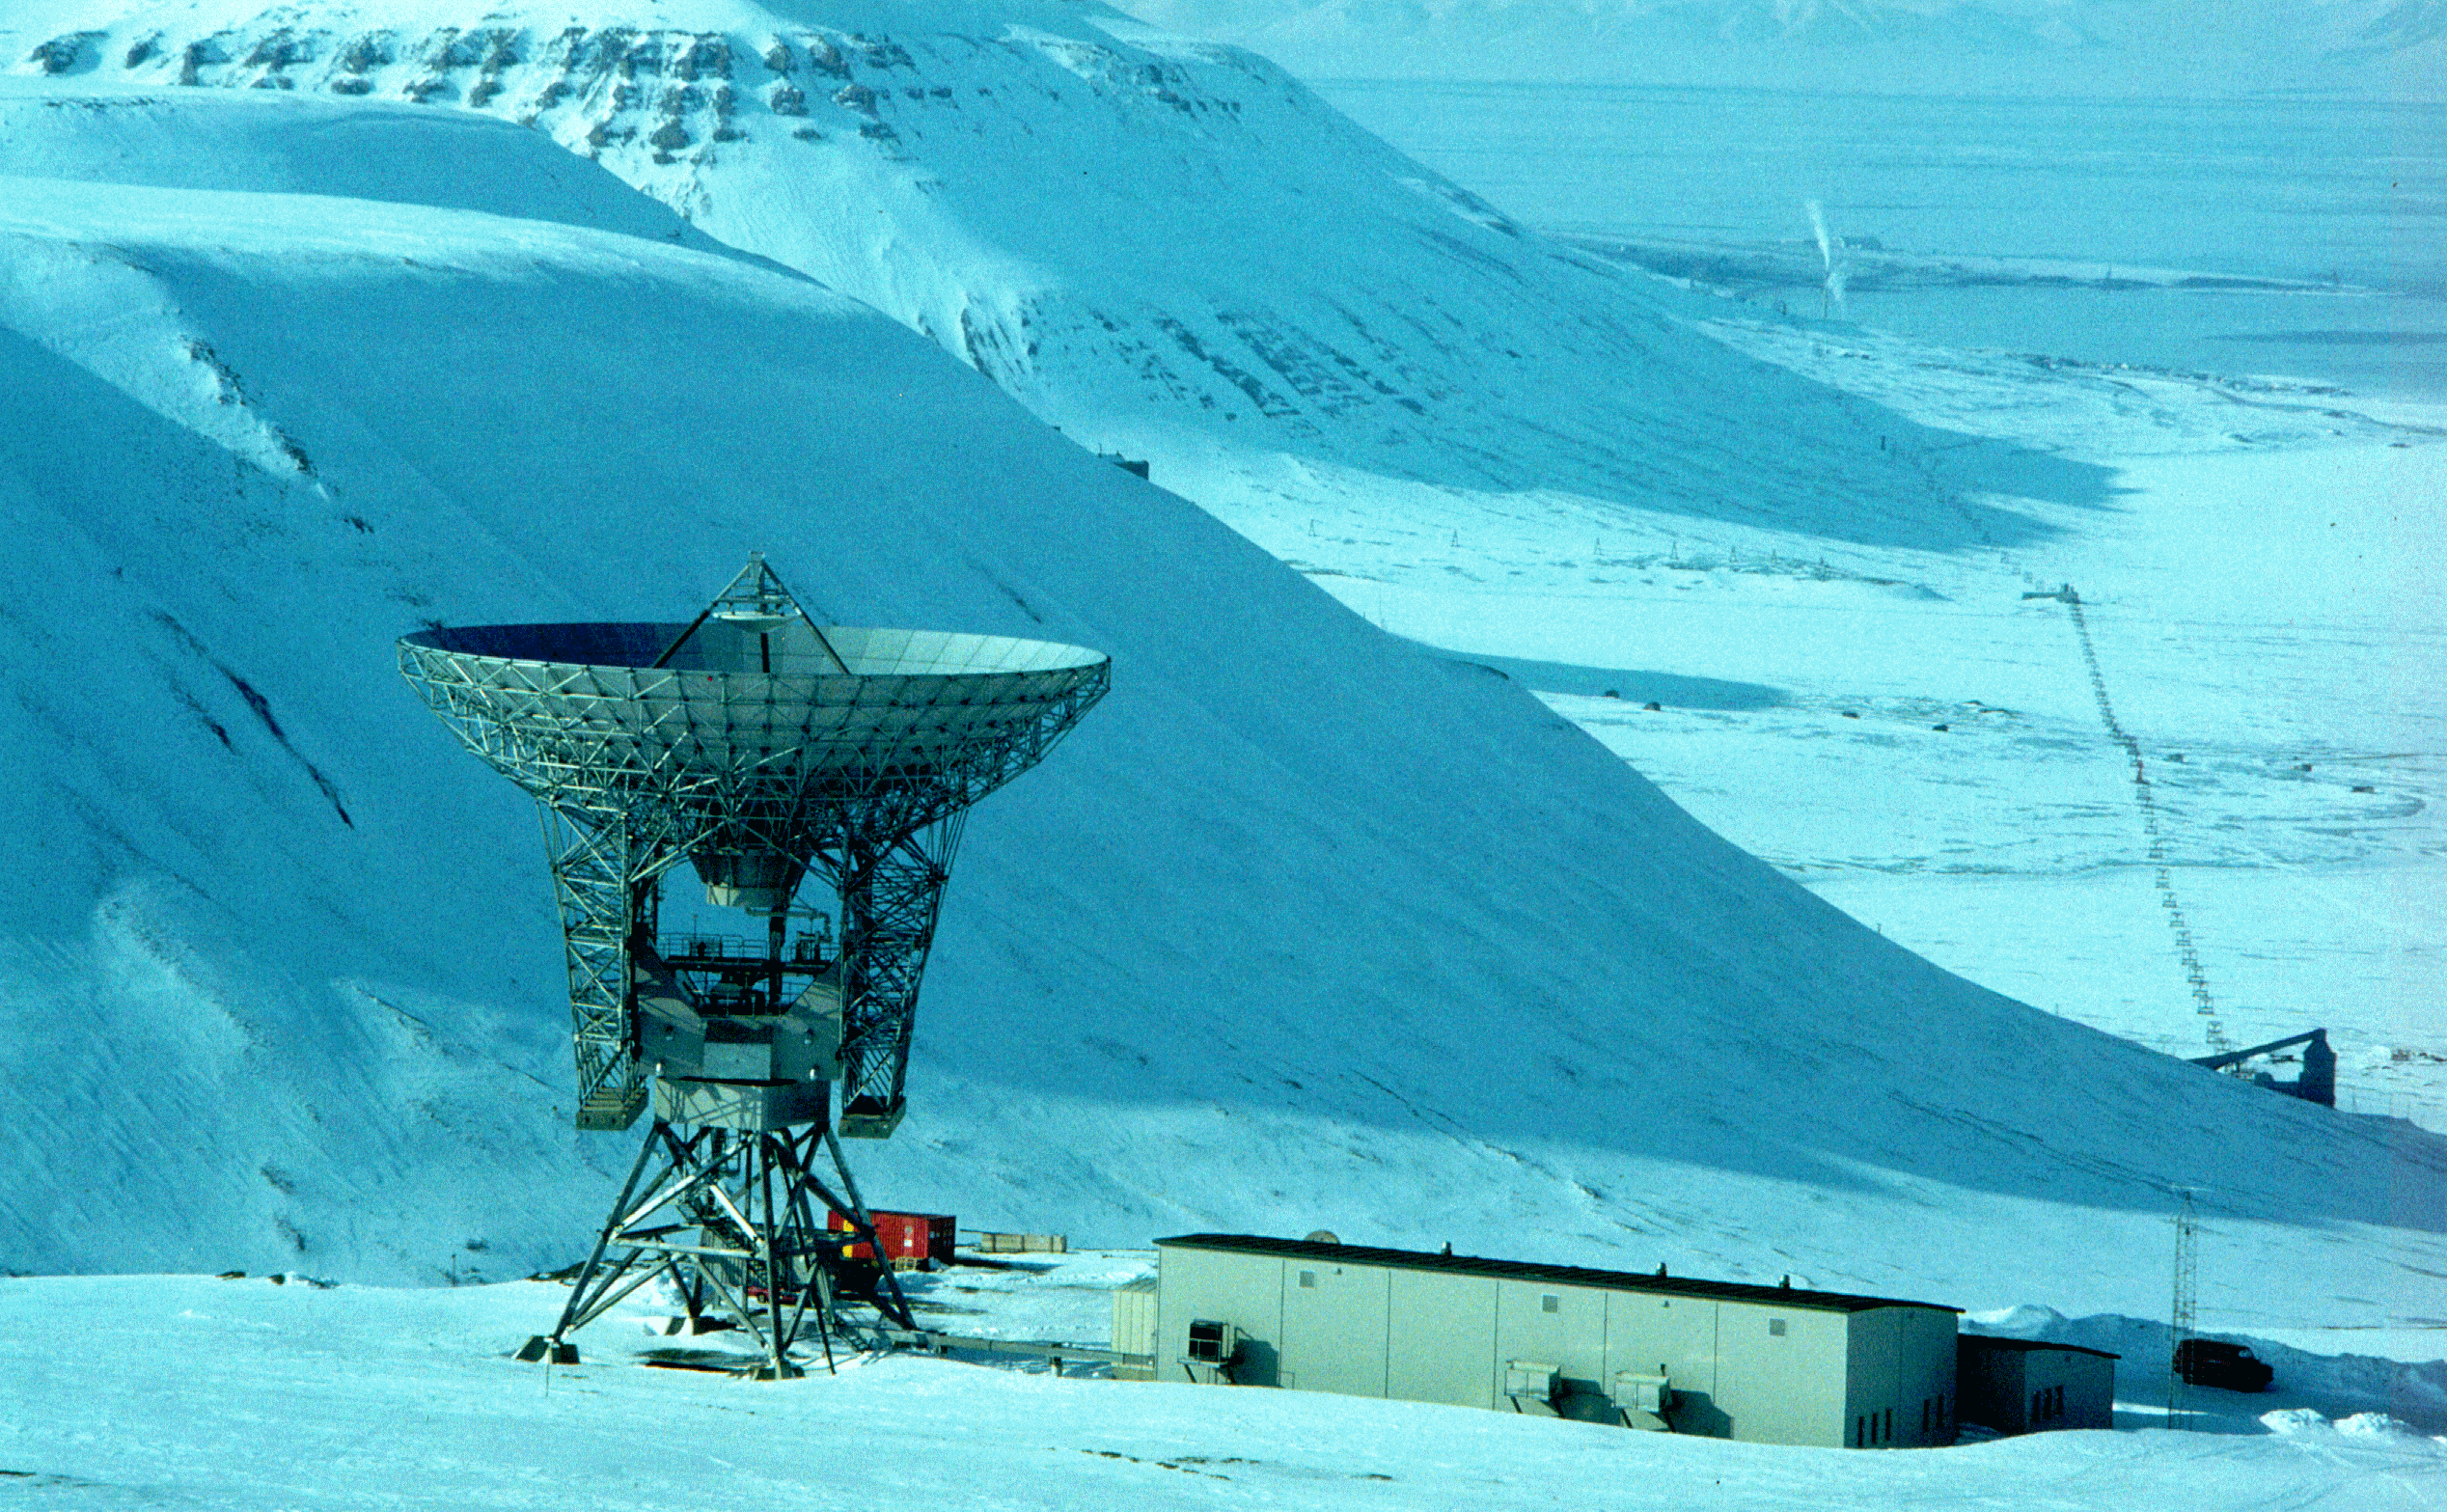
x=2157, y=47
x=1301, y=928
x=1166, y=248
x=395, y=154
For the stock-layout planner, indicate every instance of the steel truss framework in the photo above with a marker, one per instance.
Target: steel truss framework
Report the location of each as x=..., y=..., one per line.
x=2184, y=1316
x=861, y=779
x=735, y=1223
x=766, y=750
x=889, y=904
x=608, y=894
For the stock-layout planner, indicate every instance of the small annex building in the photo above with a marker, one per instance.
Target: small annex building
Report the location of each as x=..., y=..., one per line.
x=2024, y=1386
x=1767, y=1364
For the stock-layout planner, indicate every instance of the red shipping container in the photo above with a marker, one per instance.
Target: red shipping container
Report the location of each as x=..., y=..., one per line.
x=907, y=1237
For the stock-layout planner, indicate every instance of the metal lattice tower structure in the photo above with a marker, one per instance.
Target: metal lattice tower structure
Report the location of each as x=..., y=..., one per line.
x=738, y=1222
x=2187, y=949
x=763, y=750
x=2183, y=1316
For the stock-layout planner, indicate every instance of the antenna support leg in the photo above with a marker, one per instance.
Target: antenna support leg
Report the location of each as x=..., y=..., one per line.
x=741, y=1228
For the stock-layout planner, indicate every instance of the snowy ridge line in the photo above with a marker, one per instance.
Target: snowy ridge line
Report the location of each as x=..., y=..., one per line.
x=100, y=306
x=1305, y=296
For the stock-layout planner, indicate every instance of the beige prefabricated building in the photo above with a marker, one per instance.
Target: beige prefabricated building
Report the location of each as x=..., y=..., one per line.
x=2024, y=1386
x=1769, y=1364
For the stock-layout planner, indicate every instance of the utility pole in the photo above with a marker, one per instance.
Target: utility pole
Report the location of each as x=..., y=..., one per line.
x=2184, y=1312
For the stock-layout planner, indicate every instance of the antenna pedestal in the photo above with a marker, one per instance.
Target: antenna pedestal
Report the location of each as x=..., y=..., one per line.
x=739, y=1225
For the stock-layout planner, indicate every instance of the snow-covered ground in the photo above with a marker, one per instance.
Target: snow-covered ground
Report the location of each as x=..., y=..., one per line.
x=187, y=1392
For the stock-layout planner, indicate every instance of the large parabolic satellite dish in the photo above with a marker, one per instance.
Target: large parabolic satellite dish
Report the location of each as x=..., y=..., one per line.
x=762, y=749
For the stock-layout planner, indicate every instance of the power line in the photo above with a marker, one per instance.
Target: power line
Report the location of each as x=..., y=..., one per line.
x=2161, y=874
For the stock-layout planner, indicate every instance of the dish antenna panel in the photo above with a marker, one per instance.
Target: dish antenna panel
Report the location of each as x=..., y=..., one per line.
x=763, y=750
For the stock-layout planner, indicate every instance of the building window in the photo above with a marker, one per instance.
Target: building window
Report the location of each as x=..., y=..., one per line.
x=1211, y=1343
x=1891, y=1425
x=1924, y=1417
x=1776, y=1328
x=1550, y=1303
x=1309, y=1278
x=1860, y=1433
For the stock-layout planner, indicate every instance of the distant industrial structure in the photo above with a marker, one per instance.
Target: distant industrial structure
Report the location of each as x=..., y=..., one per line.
x=1768, y=1364
x=2317, y=1080
x=762, y=749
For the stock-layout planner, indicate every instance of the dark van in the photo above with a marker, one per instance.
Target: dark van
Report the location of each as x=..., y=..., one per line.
x=2209, y=1361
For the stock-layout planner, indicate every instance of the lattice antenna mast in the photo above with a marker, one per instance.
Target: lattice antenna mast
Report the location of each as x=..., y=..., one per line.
x=2182, y=1315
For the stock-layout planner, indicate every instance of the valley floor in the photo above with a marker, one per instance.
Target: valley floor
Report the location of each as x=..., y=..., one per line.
x=193, y=1392
x=2248, y=786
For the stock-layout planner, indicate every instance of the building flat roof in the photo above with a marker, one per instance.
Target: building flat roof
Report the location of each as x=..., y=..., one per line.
x=1561, y=1275
x=2000, y=1342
